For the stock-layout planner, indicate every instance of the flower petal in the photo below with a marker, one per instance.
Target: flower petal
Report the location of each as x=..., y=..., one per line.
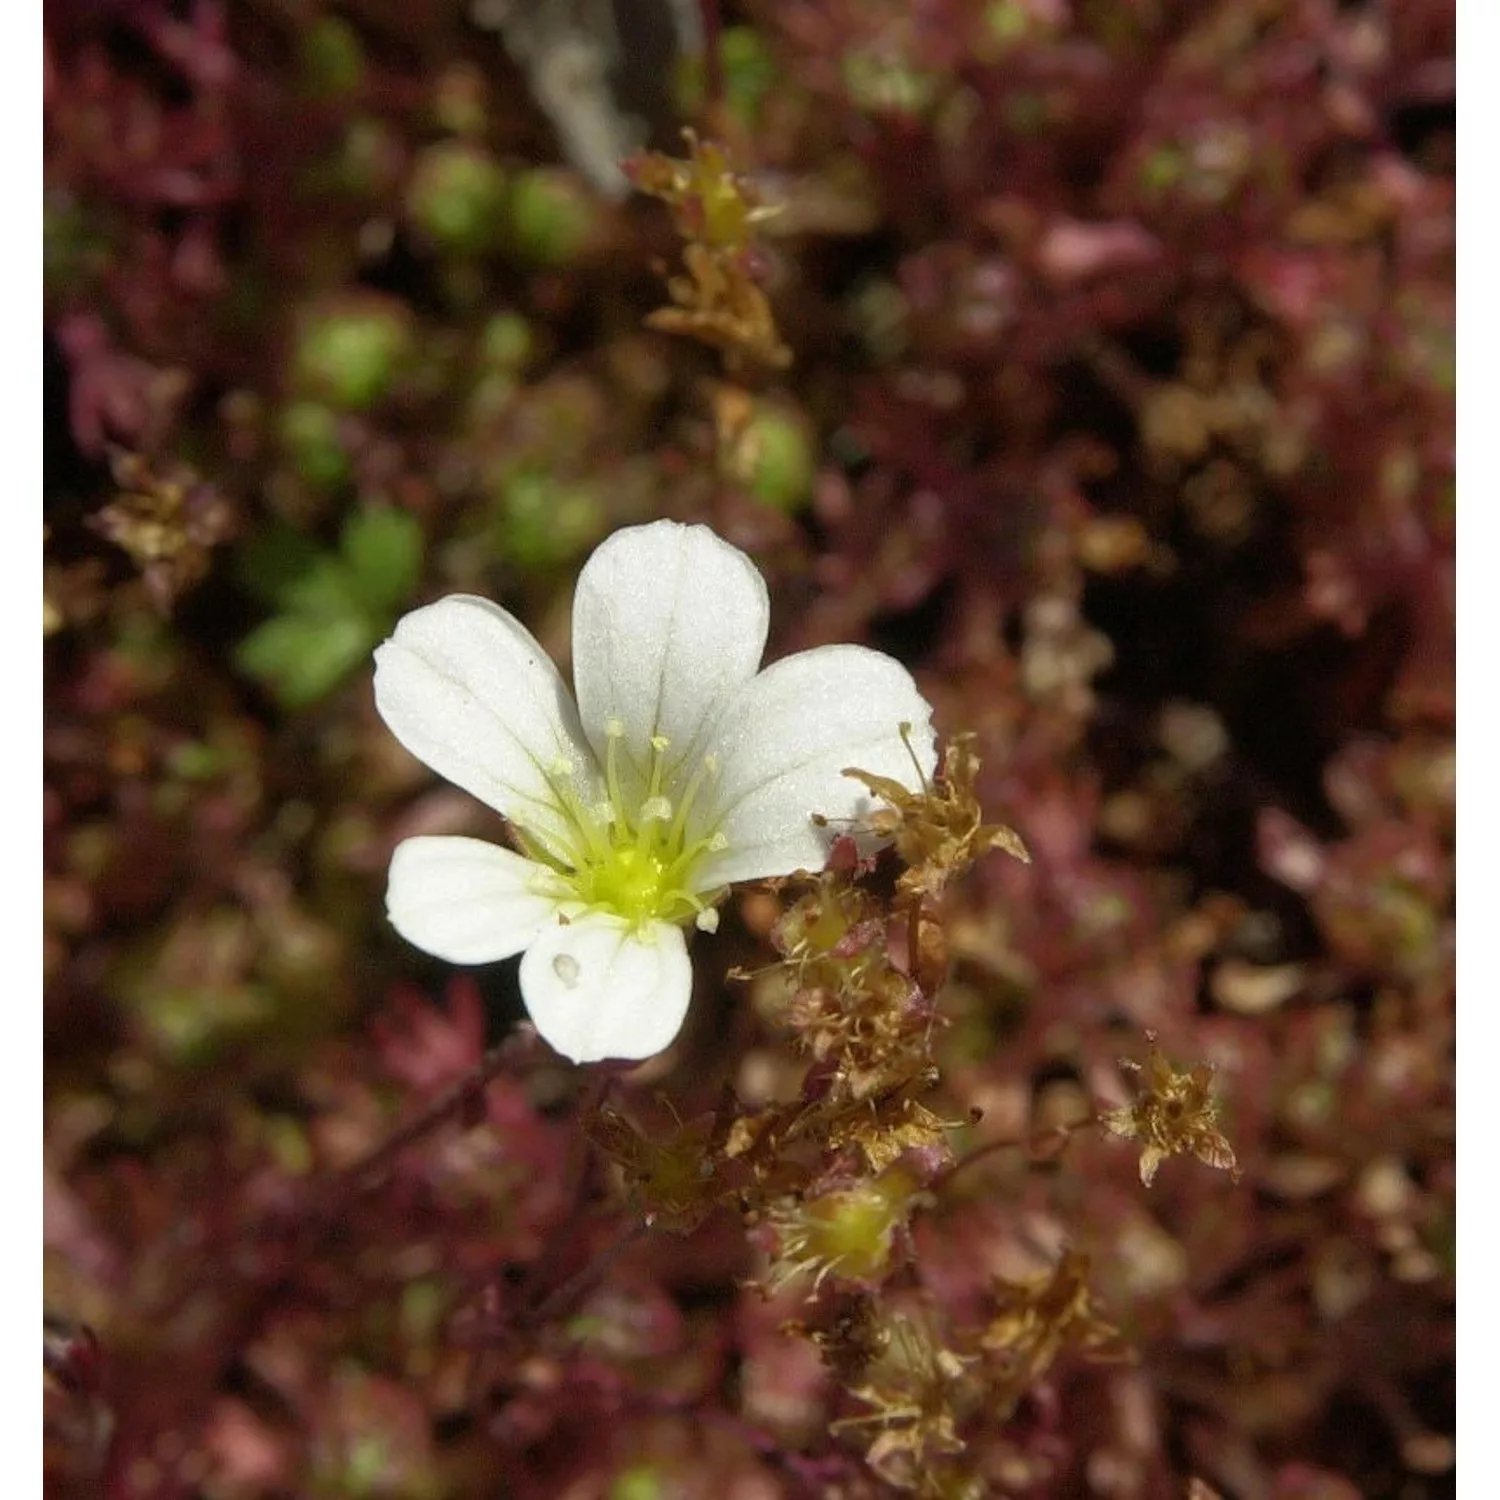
x=669, y=622
x=783, y=745
x=597, y=988
x=467, y=689
x=465, y=900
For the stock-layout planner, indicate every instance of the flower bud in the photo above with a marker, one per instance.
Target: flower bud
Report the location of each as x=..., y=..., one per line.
x=456, y=197
x=549, y=217
x=351, y=354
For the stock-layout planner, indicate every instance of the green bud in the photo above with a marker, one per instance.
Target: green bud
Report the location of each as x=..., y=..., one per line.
x=74, y=250
x=370, y=162
x=310, y=438
x=460, y=100
x=351, y=355
x=457, y=196
x=1162, y=170
x=507, y=342
x=368, y=1465
x=333, y=58
x=550, y=217
x=287, y=1140
x=773, y=458
x=1007, y=21
x=884, y=84
x=750, y=72
x=1027, y=112
x=493, y=394
x=639, y=1482
x=383, y=550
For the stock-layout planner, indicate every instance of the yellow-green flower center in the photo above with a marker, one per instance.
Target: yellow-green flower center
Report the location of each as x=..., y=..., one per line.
x=634, y=854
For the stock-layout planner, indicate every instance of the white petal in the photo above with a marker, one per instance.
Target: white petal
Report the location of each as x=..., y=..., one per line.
x=467, y=689
x=465, y=900
x=783, y=745
x=669, y=622
x=596, y=988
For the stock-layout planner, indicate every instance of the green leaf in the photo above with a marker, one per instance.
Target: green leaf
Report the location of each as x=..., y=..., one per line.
x=272, y=562
x=302, y=659
x=327, y=592
x=383, y=549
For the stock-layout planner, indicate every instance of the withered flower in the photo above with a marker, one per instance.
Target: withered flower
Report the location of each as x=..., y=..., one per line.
x=852, y=1008
x=710, y=203
x=832, y=923
x=1174, y=1112
x=673, y=1178
x=168, y=523
x=940, y=830
x=719, y=302
x=918, y=1391
x=1035, y=1319
x=898, y=1125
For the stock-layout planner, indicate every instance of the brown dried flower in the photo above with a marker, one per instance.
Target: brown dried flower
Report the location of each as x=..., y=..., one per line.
x=1037, y=1318
x=719, y=302
x=892, y=1128
x=853, y=1009
x=1174, y=1112
x=917, y=1391
x=940, y=831
x=167, y=522
x=673, y=1178
x=710, y=203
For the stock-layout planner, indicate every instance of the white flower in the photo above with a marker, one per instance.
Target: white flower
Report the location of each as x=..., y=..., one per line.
x=679, y=770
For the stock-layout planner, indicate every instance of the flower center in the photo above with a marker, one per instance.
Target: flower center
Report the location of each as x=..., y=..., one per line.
x=633, y=854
